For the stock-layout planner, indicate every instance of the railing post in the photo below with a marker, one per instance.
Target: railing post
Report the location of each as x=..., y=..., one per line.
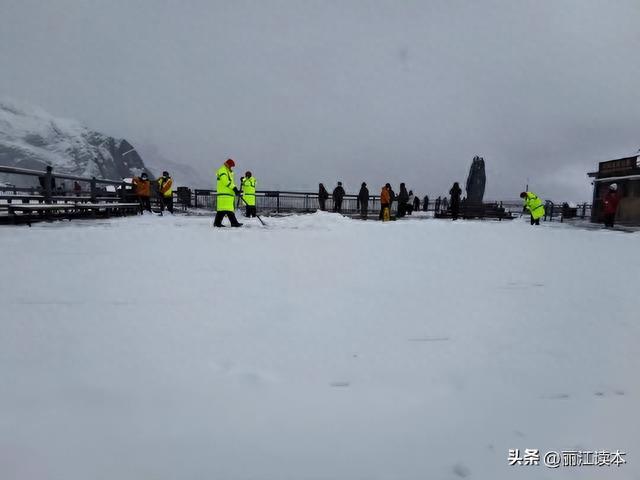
x=48, y=178
x=195, y=198
x=94, y=190
x=277, y=202
x=123, y=192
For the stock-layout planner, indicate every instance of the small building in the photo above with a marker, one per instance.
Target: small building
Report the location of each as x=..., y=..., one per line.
x=625, y=172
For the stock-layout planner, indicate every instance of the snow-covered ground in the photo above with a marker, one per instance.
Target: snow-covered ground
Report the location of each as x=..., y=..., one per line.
x=318, y=348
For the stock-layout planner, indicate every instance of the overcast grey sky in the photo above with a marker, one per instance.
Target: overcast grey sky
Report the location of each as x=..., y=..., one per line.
x=308, y=91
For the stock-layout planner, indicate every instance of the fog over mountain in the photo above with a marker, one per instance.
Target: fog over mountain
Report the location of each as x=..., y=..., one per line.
x=32, y=138
x=307, y=91
x=182, y=174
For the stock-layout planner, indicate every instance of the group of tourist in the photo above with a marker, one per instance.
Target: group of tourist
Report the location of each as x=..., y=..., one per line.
x=406, y=201
x=142, y=187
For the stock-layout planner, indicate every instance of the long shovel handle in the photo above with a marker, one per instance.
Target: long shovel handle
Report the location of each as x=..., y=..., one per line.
x=245, y=202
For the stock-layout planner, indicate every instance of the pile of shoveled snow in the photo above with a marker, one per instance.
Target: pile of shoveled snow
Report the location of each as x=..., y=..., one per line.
x=318, y=347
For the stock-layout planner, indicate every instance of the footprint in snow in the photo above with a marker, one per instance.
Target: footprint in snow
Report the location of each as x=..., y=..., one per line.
x=461, y=470
x=556, y=396
x=602, y=394
x=243, y=374
x=340, y=384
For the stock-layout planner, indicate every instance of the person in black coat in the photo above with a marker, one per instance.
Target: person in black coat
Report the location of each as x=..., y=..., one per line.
x=363, y=200
x=338, y=195
x=403, y=197
x=425, y=203
x=322, y=197
x=42, y=179
x=455, y=193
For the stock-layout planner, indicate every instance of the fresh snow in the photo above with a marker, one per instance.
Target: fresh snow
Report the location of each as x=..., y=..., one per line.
x=317, y=348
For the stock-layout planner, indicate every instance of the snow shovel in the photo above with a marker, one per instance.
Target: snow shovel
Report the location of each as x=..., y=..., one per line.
x=258, y=216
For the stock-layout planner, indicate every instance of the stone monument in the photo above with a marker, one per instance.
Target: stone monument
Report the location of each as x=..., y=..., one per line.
x=476, y=182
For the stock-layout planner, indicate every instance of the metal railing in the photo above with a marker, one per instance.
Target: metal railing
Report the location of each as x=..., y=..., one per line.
x=95, y=190
x=564, y=211
x=280, y=202
x=48, y=191
x=49, y=188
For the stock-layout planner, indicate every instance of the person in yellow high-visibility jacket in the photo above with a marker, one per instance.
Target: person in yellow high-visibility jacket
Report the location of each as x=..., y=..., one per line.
x=226, y=192
x=248, y=185
x=535, y=205
x=165, y=189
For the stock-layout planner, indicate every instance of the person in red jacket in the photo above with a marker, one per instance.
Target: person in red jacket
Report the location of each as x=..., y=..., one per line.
x=610, y=204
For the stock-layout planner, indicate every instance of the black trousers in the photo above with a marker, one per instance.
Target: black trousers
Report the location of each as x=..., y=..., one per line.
x=609, y=219
x=455, y=210
x=145, y=204
x=337, y=205
x=364, y=209
x=166, y=202
x=535, y=221
x=217, y=222
x=250, y=211
x=322, y=202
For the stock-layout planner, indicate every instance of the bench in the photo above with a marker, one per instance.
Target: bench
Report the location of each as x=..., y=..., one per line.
x=28, y=209
x=113, y=206
x=121, y=208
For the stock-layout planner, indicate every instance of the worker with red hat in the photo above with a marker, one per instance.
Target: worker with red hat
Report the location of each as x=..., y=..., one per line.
x=226, y=192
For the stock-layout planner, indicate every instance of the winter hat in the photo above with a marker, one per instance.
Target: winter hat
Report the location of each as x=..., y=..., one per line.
x=230, y=163
x=523, y=194
x=613, y=186
x=165, y=174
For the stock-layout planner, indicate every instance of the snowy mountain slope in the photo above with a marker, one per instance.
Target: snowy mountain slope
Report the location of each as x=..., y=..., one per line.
x=315, y=349
x=32, y=138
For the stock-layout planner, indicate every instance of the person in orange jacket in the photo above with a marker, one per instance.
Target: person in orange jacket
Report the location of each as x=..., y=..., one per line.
x=142, y=189
x=385, y=202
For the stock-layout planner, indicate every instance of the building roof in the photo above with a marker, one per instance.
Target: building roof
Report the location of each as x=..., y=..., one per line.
x=624, y=167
